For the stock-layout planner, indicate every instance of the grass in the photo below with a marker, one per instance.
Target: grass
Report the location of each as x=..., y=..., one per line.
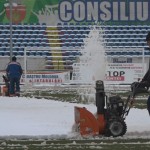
x=60, y=95
x=140, y=99
x=73, y=96
x=108, y=144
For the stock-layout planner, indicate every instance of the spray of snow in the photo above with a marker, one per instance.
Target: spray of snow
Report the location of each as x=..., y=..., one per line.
x=92, y=63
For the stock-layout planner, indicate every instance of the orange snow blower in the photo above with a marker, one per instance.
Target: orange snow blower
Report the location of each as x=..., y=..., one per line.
x=5, y=90
x=111, y=113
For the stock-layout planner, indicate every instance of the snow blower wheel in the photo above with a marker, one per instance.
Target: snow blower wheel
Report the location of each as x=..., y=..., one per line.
x=116, y=128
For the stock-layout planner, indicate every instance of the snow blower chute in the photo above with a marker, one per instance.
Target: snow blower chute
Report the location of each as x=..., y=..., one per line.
x=111, y=113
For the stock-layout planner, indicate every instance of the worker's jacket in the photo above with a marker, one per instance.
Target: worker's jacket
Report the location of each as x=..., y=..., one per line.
x=14, y=70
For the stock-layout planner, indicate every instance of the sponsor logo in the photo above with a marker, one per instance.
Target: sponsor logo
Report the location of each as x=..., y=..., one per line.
x=18, y=13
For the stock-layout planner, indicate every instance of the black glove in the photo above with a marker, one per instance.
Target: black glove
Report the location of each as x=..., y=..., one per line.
x=139, y=87
x=145, y=84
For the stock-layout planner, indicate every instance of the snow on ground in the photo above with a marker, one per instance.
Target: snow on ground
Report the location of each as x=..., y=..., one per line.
x=40, y=117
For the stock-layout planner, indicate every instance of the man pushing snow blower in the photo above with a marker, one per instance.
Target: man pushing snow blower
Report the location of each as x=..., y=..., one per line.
x=145, y=82
x=146, y=78
x=111, y=111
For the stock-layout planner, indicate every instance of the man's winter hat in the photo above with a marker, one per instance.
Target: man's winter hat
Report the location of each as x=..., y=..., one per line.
x=14, y=58
x=148, y=36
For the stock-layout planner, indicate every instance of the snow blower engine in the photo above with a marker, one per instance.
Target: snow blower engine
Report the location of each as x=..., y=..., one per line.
x=111, y=113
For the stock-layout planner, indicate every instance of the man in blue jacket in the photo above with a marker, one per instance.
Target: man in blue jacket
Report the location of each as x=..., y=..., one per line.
x=14, y=72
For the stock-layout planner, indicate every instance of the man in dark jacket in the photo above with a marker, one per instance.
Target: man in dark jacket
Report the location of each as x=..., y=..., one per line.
x=146, y=78
x=14, y=72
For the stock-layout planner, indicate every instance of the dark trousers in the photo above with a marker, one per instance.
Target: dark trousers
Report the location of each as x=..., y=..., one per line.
x=148, y=104
x=14, y=85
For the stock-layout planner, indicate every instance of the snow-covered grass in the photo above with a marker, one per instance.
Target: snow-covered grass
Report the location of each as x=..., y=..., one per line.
x=22, y=116
x=30, y=123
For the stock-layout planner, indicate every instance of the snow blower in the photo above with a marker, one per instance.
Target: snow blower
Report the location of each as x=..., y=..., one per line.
x=111, y=113
x=5, y=90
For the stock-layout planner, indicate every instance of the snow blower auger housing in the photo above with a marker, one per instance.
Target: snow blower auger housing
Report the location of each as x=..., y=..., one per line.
x=111, y=113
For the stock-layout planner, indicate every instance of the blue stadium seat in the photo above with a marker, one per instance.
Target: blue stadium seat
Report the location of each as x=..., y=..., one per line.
x=65, y=26
x=20, y=53
x=2, y=53
x=72, y=35
x=71, y=26
x=32, y=53
x=59, y=26
x=39, y=53
x=147, y=53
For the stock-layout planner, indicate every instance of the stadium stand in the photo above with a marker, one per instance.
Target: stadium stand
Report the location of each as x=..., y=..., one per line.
x=66, y=39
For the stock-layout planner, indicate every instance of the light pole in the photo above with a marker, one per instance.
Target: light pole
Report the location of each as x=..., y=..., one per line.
x=10, y=8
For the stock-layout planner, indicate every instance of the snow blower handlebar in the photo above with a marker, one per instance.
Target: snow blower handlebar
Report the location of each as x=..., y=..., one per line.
x=139, y=87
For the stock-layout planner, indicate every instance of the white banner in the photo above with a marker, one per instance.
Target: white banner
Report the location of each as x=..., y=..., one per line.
x=124, y=73
x=44, y=78
x=116, y=73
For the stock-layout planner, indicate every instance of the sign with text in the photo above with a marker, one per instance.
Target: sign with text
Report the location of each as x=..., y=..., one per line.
x=51, y=78
x=106, y=10
x=124, y=72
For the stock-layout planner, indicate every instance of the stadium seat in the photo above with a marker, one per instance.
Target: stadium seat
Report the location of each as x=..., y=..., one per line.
x=39, y=53
x=32, y=53
x=2, y=53
x=59, y=26
x=71, y=36
x=71, y=26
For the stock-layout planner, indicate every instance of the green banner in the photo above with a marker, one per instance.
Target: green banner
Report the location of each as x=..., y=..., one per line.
x=29, y=11
x=51, y=12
